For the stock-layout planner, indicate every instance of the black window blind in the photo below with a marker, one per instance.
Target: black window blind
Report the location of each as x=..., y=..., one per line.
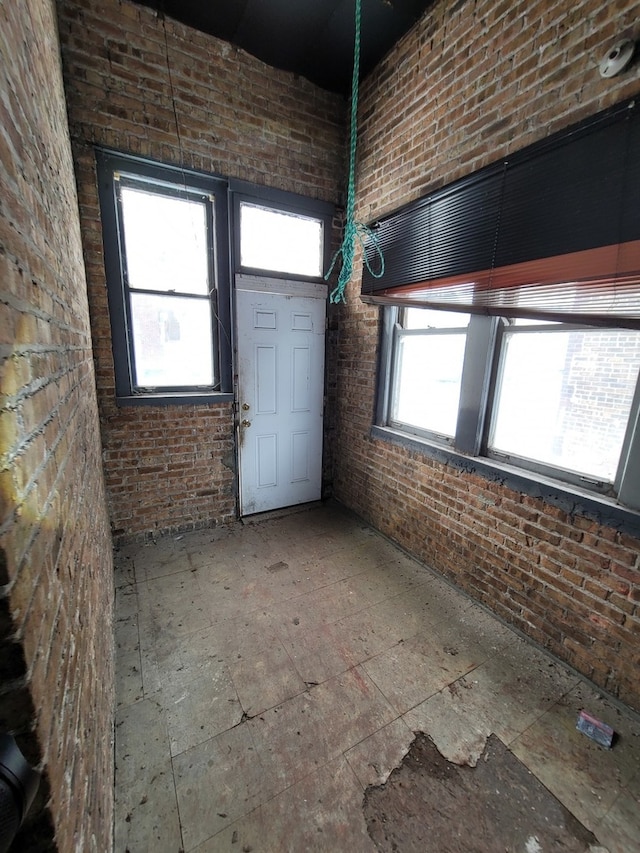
x=552, y=231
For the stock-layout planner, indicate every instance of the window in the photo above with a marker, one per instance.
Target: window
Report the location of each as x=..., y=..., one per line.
x=554, y=399
x=172, y=238
x=564, y=396
x=166, y=258
x=280, y=235
x=429, y=351
x=280, y=241
x=168, y=283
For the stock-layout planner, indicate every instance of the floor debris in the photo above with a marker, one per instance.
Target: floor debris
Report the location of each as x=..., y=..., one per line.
x=595, y=729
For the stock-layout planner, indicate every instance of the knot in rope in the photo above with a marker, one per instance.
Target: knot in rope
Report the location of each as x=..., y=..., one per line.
x=353, y=231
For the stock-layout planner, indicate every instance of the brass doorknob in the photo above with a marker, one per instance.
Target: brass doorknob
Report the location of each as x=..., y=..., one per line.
x=246, y=423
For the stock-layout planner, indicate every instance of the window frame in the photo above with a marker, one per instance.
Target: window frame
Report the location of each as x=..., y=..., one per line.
x=181, y=183
x=591, y=482
x=282, y=202
x=401, y=332
x=469, y=449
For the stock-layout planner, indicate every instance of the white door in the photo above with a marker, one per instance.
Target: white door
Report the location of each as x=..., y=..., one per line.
x=280, y=344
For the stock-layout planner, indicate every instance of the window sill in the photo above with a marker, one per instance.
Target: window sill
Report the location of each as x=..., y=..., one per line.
x=175, y=399
x=571, y=499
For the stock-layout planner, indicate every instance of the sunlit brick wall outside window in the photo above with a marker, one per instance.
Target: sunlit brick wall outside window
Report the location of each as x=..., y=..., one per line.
x=600, y=374
x=565, y=396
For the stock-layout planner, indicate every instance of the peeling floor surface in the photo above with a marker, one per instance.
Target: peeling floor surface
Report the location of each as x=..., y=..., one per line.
x=498, y=805
x=270, y=672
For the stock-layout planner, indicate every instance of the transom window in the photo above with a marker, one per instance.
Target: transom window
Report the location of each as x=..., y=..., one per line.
x=280, y=241
x=556, y=399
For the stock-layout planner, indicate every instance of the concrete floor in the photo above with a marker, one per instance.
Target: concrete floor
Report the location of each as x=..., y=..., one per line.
x=269, y=671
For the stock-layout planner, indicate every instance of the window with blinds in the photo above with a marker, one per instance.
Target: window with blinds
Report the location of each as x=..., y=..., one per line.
x=553, y=231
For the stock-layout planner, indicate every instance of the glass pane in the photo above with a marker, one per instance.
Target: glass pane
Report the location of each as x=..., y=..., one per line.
x=282, y=242
x=427, y=386
x=522, y=321
x=427, y=318
x=172, y=341
x=165, y=242
x=564, y=398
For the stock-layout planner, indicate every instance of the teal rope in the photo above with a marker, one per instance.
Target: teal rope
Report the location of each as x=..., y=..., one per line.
x=353, y=230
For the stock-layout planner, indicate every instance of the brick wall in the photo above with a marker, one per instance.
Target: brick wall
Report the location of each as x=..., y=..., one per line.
x=56, y=671
x=477, y=79
x=171, y=468
x=470, y=83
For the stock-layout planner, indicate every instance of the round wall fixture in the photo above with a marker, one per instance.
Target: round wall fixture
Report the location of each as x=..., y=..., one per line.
x=617, y=58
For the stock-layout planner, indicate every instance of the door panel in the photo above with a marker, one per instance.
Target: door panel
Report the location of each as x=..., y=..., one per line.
x=280, y=386
x=300, y=385
x=266, y=461
x=265, y=381
x=300, y=454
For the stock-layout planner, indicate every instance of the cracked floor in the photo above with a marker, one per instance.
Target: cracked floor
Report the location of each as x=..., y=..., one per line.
x=269, y=671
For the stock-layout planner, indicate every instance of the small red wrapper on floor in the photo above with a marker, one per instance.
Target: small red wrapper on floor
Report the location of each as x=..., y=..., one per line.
x=595, y=729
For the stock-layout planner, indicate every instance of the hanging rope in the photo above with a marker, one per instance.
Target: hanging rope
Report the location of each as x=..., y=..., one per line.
x=353, y=230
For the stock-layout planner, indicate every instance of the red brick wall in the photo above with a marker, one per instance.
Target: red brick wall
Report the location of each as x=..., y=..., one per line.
x=470, y=83
x=477, y=79
x=170, y=468
x=56, y=584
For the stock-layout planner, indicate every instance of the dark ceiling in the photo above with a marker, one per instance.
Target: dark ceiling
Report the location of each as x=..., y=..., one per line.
x=313, y=38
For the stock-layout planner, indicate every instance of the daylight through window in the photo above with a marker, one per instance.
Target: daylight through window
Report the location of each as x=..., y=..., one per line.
x=552, y=398
x=280, y=241
x=167, y=262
